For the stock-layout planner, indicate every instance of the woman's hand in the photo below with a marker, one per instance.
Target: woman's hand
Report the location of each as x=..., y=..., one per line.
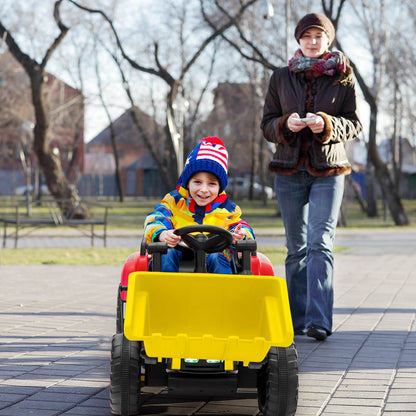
x=315, y=123
x=170, y=238
x=294, y=123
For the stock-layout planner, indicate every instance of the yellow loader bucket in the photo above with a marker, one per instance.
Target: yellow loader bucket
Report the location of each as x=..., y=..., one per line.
x=208, y=316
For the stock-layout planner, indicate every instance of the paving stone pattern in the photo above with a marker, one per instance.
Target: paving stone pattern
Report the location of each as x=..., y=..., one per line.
x=56, y=324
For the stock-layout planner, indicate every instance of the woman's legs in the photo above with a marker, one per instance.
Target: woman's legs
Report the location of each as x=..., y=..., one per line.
x=292, y=196
x=310, y=208
x=324, y=204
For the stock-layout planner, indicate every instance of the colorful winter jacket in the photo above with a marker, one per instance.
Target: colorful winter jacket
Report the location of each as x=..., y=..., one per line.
x=177, y=209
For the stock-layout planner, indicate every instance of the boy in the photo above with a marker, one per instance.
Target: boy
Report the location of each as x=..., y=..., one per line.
x=199, y=198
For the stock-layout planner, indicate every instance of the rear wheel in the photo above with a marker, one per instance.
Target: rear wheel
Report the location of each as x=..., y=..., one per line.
x=277, y=384
x=119, y=316
x=125, y=376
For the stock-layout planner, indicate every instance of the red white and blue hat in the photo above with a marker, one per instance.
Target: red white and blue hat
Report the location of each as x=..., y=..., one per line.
x=209, y=155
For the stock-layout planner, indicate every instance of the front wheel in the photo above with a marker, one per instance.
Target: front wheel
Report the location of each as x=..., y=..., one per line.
x=125, y=382
x=277, y=383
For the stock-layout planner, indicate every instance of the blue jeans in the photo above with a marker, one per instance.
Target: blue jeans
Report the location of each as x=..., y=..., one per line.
x=216, y=262
x=310, y=208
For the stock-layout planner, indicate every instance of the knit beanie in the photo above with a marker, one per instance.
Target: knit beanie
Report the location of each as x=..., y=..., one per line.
x=209, y=155
x=315, y=20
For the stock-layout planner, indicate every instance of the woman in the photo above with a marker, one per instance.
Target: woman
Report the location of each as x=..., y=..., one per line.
x=310, y=111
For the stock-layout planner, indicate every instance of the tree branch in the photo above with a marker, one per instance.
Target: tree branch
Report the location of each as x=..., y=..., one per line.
x=162, y=74
x=261, y=58
x=25, y=60
x=233, y=21
x=63, y=31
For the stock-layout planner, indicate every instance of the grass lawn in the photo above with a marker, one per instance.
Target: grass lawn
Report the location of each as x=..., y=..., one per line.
x=95, y=255
x=131, y=214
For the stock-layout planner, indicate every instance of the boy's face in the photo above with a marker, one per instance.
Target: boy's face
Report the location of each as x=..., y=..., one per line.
x=204, y=187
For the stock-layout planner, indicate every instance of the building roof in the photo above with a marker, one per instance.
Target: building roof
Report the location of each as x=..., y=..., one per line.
x=126, y=130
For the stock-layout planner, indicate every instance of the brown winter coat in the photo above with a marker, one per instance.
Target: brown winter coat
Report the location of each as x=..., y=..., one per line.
x=322, y=154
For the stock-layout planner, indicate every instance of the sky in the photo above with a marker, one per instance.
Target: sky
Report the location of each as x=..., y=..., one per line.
x=95, y=117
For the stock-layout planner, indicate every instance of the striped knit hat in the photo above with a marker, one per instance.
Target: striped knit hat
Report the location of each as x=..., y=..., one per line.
x=209, y=155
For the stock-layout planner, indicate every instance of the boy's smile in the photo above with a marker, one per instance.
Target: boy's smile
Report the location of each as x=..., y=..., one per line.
x=204, y=187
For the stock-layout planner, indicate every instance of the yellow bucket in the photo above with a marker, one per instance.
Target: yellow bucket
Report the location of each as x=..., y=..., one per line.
x=208, y=316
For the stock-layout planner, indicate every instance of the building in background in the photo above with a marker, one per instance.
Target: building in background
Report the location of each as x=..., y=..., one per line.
x=138, y=171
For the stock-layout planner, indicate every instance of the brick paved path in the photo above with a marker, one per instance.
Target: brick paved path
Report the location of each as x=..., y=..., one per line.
x=56, y=324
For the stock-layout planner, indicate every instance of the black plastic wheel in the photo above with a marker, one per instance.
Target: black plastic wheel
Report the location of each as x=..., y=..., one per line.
x=125, y=376
x=277, y=383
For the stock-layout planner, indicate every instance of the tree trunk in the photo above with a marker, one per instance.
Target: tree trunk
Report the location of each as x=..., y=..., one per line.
x=383, y=176
x=58, y=185
x=370, y=185
x=381, y=170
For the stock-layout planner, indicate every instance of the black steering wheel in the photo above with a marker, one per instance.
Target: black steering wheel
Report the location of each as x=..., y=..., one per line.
x=215, y=241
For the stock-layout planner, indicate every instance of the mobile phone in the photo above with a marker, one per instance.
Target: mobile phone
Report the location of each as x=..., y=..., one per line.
x=306, y=119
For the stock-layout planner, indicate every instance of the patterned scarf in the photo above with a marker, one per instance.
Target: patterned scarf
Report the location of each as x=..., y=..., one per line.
x=330, y=64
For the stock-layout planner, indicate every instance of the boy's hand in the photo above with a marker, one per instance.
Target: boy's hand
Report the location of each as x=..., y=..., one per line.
x=238, y=233
x=170, y=238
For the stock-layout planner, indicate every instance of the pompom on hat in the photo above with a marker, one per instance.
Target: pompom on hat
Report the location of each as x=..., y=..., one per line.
x=209, y=155
x=317, y=20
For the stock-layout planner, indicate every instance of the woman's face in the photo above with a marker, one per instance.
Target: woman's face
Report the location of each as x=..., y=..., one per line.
x=313, y=43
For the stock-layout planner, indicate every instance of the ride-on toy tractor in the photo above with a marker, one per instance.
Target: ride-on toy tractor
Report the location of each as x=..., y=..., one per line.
x=203, y=334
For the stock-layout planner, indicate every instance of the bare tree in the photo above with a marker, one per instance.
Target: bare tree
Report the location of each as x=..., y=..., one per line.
x=48, y=160
x=333, y=9
x=377, y=35
x=169, y=162
x=399, y=88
